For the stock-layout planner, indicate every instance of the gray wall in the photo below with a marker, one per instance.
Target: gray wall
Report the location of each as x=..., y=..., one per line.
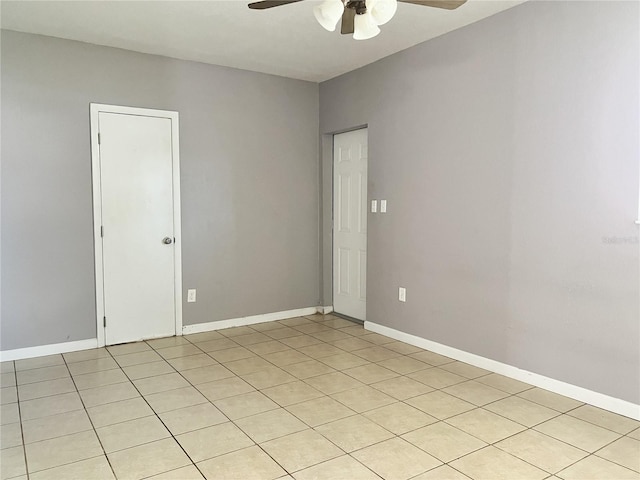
x=508, y=153
x=249, y=159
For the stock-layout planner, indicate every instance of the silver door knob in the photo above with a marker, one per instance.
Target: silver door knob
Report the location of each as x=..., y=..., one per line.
x=167, y=240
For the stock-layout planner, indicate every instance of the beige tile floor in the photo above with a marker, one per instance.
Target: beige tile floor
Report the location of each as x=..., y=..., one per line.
x=306, y=398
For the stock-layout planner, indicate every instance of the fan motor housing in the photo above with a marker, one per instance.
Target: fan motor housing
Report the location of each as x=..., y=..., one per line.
x=360, y=6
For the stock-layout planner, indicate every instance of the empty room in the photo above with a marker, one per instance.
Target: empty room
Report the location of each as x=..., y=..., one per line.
x=320, y=240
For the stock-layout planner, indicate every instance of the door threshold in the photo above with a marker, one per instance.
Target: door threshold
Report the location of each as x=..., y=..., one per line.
x=347, y=317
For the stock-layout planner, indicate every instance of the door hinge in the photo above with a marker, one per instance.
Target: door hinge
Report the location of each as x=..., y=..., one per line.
x=104, y=322
x=101, y=231
x=98, y=138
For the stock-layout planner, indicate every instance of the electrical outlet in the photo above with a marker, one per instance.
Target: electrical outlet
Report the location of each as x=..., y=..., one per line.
x=383, y=206
x=402, y=294
x=374, y=206
x=191, y=295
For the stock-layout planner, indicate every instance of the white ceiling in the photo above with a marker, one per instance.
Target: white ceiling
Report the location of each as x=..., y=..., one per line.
x=284, y=41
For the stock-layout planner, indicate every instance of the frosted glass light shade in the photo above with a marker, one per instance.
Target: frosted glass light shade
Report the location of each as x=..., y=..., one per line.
x=382, y=10
x=329, y=13
x=365, y=27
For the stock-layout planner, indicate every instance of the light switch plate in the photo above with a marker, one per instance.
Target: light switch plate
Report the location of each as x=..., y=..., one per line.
x=402, y=294
x=383, y=206
x=374, y=206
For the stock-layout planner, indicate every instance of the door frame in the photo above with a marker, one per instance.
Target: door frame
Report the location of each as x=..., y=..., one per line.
x=95, y=109
x=333, y=236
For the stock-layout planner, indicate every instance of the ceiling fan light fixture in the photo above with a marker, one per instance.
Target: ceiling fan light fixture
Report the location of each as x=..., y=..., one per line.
x=382, y=10
x=365, y=27
x=329, y=13
x=360, y=17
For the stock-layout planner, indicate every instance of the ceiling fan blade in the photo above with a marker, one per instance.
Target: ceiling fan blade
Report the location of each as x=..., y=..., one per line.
x=446, y=4
x=270, y=4
x=348, y=20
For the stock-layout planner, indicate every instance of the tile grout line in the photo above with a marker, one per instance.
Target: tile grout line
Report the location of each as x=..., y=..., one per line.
x=612, y=461
x=161, y=421
x=24, y=443
x=95, y=431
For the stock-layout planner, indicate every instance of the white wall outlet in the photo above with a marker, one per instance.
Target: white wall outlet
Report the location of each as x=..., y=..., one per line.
x=402, y=294
x=191, y=295
x=374, y=206
x=383, y=206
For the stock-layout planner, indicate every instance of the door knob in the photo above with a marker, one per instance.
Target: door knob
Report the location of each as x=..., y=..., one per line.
x=167, y=240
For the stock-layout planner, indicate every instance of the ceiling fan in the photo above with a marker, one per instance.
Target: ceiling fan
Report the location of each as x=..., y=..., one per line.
x=360, y=17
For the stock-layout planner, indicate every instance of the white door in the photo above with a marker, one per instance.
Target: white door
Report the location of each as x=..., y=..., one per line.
x=350, y=223
x=137, y=219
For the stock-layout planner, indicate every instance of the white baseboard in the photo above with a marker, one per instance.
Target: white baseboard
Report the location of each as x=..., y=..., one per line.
x=243, y=321
x=597, y=399
x=43, y=350
x=325, y=310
